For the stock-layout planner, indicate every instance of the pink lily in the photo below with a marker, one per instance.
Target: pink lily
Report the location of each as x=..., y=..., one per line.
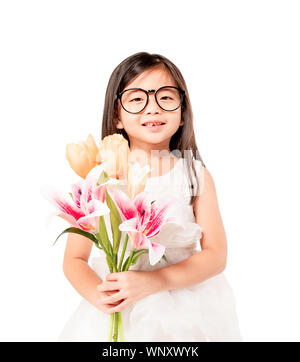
x=87, y=203
x=143, y=219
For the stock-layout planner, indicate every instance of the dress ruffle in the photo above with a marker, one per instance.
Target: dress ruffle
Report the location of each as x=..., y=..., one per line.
x=198, y=313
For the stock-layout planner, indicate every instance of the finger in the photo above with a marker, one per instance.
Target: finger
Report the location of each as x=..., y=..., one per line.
x=109, y=293
x=108, y=286
x=113, y=298
x=119, y=307
x=112, y=276
x=105, y=294
x=102, y=302
x=111, y=305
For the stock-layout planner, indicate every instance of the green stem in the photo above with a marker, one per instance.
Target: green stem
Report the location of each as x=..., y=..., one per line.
x=111, y=327
x=130, y=259
x=123, y=253
x=115, y=336
x=107, y=253
x=115, y=263
x=121, y=328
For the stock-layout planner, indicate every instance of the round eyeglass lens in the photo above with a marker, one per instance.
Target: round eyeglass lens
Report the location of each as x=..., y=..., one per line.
x=135, y=100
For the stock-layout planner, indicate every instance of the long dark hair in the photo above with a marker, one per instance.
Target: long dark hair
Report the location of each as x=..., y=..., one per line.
x=183, y=139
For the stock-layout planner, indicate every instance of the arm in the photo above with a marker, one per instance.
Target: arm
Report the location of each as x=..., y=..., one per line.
x=211, y=260
x=77, y=270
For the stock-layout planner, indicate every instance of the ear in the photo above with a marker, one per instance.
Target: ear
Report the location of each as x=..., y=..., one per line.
x=119, y=124
x=181, y=123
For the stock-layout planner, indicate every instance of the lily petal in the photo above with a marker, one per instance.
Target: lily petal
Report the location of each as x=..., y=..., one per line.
x=141, y=241
x=91, y=183
x=156, y=251
x=59, y=200
x=124, y=204
x=76, y=192
x=142, y=203
x=100, y=193
x=129, y=225
x=70, y=219
x=159, y=216
x=97, y=208
x=88, y=223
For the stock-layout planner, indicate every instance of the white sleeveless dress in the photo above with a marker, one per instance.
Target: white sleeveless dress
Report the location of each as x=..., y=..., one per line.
x=202, y=312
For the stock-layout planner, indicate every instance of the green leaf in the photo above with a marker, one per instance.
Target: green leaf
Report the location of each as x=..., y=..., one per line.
x=109, y=263
x=115, y=221
x=164, y=257
x=102, y=235
x=126, y=263
x=140, y=251
x=102, y=178
x=135, y=259
x=80, y=232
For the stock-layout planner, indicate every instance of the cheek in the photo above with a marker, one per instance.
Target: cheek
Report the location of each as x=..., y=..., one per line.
x=130, y=121
x=174, y=120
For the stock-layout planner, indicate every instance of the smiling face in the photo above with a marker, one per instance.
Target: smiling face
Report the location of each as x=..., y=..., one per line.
x=143, y=137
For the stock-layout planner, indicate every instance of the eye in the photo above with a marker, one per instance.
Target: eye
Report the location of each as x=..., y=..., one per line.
x=138, y=99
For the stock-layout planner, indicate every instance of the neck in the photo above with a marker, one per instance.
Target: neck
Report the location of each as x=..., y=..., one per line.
x=146, y=153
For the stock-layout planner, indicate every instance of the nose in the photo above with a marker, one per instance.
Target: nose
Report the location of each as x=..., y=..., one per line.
x=152, y=106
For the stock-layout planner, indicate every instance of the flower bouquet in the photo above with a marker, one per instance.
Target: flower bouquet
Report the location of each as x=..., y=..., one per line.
x=98, y=193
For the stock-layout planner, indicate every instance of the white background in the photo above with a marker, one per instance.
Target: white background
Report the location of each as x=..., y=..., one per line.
x=240, y=60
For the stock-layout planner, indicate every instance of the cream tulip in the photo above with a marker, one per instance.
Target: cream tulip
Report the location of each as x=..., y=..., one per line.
x=114, y=151
x=82, y=156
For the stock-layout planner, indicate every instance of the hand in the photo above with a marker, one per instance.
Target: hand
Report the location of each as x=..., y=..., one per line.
x=125, y=288
x=102, y=304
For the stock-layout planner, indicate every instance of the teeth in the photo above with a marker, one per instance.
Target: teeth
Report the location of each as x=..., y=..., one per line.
x=152, y=124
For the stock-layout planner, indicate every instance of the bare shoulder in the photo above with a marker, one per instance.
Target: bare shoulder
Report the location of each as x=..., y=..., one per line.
x=207, y=194
x=208, y=216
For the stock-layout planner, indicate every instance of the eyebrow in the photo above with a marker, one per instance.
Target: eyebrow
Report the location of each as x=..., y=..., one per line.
x=149, y=89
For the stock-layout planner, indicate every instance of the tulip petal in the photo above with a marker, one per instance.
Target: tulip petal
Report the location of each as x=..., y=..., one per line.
x=91, y=144
x=77, y=158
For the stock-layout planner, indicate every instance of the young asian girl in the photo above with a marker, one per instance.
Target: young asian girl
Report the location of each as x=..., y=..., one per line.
x=189, y=299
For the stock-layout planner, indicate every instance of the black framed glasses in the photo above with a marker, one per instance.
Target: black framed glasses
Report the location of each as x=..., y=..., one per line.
x=135, y=100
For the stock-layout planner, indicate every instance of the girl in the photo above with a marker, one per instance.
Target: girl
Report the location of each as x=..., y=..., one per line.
x=188, y=299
